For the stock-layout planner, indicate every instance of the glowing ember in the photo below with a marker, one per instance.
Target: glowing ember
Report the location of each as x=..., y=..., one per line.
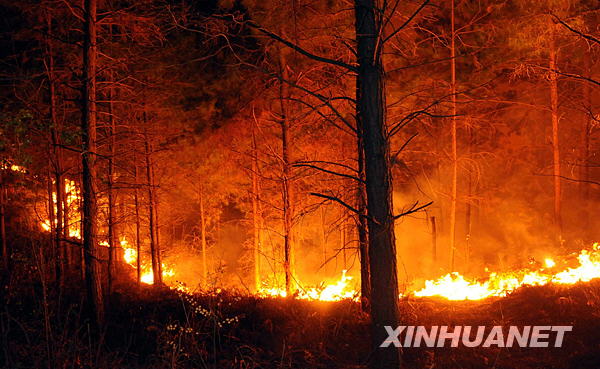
x=549, y=263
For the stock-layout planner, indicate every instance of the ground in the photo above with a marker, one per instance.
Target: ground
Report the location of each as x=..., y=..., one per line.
x=152, y=328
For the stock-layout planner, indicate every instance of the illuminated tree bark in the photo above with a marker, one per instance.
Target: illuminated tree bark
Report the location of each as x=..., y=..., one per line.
x=157, y=276
x=454, y=157
x=382, y=243
x=361, y=227
x=138, y=241
x=203, y=237
x=88, y=132
x=555, y=132
x=288, y=242
x=67, y=249
x=111, y=192
x=584, y=168
x=256, y=214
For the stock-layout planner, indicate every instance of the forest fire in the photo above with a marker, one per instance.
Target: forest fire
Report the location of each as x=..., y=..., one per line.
x=454, y=286
x=72, y=219
x=130, y=256
x=340, y=290
x=261, y=184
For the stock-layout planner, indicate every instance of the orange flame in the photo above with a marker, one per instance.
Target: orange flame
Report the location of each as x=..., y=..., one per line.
x=146, y=276
x=341, y=290
x=73, y=196
x=454, y=286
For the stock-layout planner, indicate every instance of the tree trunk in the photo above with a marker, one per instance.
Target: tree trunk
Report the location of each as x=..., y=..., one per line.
x=433, y=242
x=256, y=214
x=555, y=133
x=468, y=204
x=111, y=191
x=323, y=235
x=67, y=248
x=584, y=169
x=88, y=133
x=453, y=195
x=157, y=277
x=203, y=238
x=361, y=224
x=155, y=202
x=138, y=241
x=57, y=153
x=382, y=243
x=5, y=250
x=288, y=244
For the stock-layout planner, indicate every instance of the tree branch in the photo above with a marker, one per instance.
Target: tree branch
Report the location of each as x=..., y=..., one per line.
x=423, y=5
x=329, y=171
x=413, y=209
x=585, y=36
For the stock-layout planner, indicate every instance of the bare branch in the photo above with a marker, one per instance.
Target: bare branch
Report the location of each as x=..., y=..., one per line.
x=585, y=36
x=423, y=5
x=339, y=201
x=328, y=171
x=293, y=46
x=413, y=209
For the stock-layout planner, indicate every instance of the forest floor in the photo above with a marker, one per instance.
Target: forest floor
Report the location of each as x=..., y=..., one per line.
x=150, y=328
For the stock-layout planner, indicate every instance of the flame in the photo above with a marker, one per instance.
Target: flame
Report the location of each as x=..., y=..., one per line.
x=73, y=196
x=13, y=167
x=130, y=256
x=341, y=290
x=589, y=268
x=454, y=286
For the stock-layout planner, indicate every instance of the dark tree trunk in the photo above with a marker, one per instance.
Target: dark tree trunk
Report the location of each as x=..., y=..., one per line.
x=67, y=248
x=5, y=250
x=382, y=243
x=288, y=242
x=155, y=203
x=59, y=265
x=555, y=133
x=138, y=240
x=363, y=240
x=88, y=133
x=152, y=213
x=111, y=192
x=52, y=219
x=454, y=191
x=256, y=214
x=203, y=238
x=469, y=206
x=584, y=169
x=433, y=242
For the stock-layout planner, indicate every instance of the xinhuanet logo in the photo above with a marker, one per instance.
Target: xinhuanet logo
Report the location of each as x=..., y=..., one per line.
x=481, y=336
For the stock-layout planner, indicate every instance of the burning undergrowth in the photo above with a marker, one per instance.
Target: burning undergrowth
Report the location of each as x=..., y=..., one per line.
x=157, y=328
x=150, y=327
